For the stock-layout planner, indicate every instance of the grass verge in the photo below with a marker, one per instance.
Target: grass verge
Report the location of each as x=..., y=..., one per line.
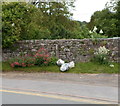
x=87, y=67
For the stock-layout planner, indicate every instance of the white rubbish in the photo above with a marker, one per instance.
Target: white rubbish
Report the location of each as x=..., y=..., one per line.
x=67, y=66
x=64, y=67
x=111, y=65
x=60, y=62
x=71, y=64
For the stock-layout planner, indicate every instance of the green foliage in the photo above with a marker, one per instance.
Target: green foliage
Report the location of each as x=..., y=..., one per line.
x=100, y=58
x=53, y=61
x=43, y=20
x=87, y=67
x=20, y=21
x=36, y=32
x=104, y=20
x=83, y=30
x=23, y=61
x=42, y=57
x=96, y=35
x=117, y=16
x=57, y=20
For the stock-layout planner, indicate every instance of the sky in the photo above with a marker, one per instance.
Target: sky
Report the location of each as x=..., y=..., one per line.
x=85, y=8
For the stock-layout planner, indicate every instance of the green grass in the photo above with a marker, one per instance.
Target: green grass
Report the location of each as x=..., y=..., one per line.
x=88, y=67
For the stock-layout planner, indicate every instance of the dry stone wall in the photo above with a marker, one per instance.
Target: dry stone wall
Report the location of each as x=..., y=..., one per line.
x=78, y=50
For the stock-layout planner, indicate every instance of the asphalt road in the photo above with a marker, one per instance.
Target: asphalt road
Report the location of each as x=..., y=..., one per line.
x=36, y=89
x=14, y=98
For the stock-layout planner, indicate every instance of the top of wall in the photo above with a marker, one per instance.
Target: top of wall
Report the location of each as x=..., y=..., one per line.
x=115, y=38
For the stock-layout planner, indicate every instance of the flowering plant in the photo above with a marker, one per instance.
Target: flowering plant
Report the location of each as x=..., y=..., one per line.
x=102, y=50
x=101, y=55
x=42, y=57
x=22, y=61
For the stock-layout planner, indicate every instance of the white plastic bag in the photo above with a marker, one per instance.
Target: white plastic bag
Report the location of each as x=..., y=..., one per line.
x=71, y=64
x=64, y=67
x=60, y=62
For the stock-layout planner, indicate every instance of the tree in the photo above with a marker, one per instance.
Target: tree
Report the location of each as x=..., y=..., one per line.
x=57, y=19
x=39, y=20
x=111, y=5
x=21, y=21
x=104, y=20
x=117, y=16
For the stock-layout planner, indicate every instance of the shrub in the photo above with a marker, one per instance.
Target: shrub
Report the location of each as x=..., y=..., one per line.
x=23, y=61
x=42, y=57
x=39, y=58
x=53, y=61
x=101, y=56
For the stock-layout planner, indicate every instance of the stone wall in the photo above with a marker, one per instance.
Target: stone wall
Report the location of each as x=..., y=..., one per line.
x=78, y=50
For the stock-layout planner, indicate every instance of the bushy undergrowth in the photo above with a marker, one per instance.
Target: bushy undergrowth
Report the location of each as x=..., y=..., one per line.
x=42, y=57
x=101, y=56
x=22, y=61
x=39, y=58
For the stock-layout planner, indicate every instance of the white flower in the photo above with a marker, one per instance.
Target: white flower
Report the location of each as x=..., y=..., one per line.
x=101, y=31
x=96, y=53
x=111, y=65
x=102, y=50
x=13, y=24
x=113, y=53
x=95, y=29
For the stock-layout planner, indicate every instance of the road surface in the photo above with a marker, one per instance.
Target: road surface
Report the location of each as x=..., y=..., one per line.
x=15, y=98
x=53, y=88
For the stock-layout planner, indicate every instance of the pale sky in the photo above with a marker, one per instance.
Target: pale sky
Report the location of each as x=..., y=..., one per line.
x=85, y=8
